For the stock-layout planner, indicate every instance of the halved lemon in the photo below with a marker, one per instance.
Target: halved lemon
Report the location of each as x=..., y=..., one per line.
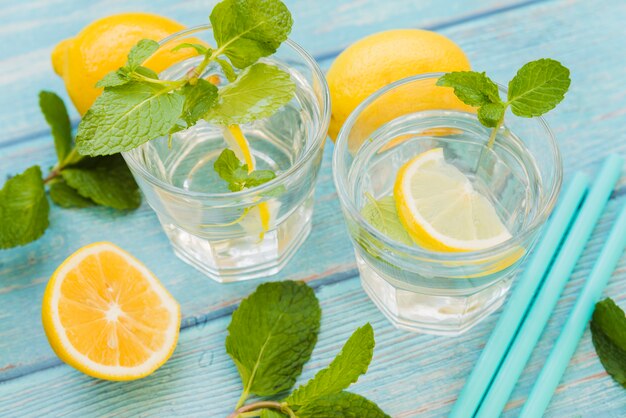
x=108, y=316
x=237, y=142
x=440, y=208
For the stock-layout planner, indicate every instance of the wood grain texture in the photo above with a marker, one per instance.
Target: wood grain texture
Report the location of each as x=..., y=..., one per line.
x=412, y=375
x=323, y=29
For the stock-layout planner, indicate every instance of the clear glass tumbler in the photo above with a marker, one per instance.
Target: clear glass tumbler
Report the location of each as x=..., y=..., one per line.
x=428, y=291
x=233, y=236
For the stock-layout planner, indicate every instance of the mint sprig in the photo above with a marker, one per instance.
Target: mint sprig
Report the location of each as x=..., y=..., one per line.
x=608, y=333
x=136, y=106
x=536, y=89
x=236, y=173
x=74, y=182
x=271, y=337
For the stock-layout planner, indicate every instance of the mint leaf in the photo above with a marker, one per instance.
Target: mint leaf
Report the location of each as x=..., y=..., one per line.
x=258, y=177
x=246, y=30
x=342, y=405
x=141, y=52
x=55, y=112
x=272, y=334
x=345, y=369
x=65, y=196
x=227, y=164
x=107, y=181
x=538, y=87
x=227, y=69
x=115, y=78
x=491, y=113
x=201, y=49
x=23, y=209
x=383, y=215
x=146, y=72
x=199, y=98
x=258, y=92
x=235, y=173
x=608, y=333
x=124, y=117
x=471, y=87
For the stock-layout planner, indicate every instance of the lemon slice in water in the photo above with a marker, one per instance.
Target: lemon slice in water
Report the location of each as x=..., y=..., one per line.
x=440, y=208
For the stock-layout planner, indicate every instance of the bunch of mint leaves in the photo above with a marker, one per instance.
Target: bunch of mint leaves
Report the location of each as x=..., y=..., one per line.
x=136, y=106
x=536, y=89
x=272, y=335
x=74, y=182
x=608, y=333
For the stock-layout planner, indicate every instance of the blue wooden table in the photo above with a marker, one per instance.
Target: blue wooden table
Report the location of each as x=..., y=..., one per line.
x=411, y=375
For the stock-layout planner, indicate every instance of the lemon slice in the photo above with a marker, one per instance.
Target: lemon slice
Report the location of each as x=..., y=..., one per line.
x=440, y=209
x=260, y=214
x=108, y=316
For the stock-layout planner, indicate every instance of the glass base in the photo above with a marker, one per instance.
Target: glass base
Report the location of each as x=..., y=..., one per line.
x=419, y=309
x=247, y=257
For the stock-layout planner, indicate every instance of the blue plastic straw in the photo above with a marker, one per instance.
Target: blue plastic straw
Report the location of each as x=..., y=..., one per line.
x=527, y=284
x=548, y=296
x=576, y=323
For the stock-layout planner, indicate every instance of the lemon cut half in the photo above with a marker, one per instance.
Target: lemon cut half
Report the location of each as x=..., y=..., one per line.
x=107, y=315
x=440, y=208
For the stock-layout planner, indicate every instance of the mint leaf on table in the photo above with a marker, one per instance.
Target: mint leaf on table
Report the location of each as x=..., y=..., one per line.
x=272, y=334
x=608, y=332
x=270, y=413
x=383, y=215
x=538, y=87
x=23, y=209
x=65, y=196
x=471, y=87
x=236, y=174
x=258, y=92
x=141, y=52
x=106, y=180
x=199, y=98
x=342, y=405
x=124, y=117
x=246, y=30
x=55, y=112
x=345, y=369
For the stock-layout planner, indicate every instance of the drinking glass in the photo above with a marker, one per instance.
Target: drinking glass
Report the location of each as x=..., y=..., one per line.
x=233, y=236
x=429, y=291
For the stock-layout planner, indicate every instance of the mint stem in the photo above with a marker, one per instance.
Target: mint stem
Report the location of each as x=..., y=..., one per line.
x=242, y=399
x=242, y=411
x=494, y=133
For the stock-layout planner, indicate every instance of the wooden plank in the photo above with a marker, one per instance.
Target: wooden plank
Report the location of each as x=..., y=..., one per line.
x=39, y=25
x=327, y=255
x=411, y=375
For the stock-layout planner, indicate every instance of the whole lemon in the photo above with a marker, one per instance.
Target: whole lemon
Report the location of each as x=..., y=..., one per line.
x=103, y=45
x=380, y=59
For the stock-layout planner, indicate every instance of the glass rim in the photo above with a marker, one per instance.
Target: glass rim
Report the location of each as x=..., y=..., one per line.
x=318, y=139
x=341, y=147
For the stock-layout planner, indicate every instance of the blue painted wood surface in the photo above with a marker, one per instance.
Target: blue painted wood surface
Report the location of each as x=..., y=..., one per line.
x=411, y=375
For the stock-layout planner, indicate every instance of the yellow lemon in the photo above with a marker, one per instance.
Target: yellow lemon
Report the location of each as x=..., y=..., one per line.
x=103, y=45
x=382, y=58
x=108, y=316
x=440, y=208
